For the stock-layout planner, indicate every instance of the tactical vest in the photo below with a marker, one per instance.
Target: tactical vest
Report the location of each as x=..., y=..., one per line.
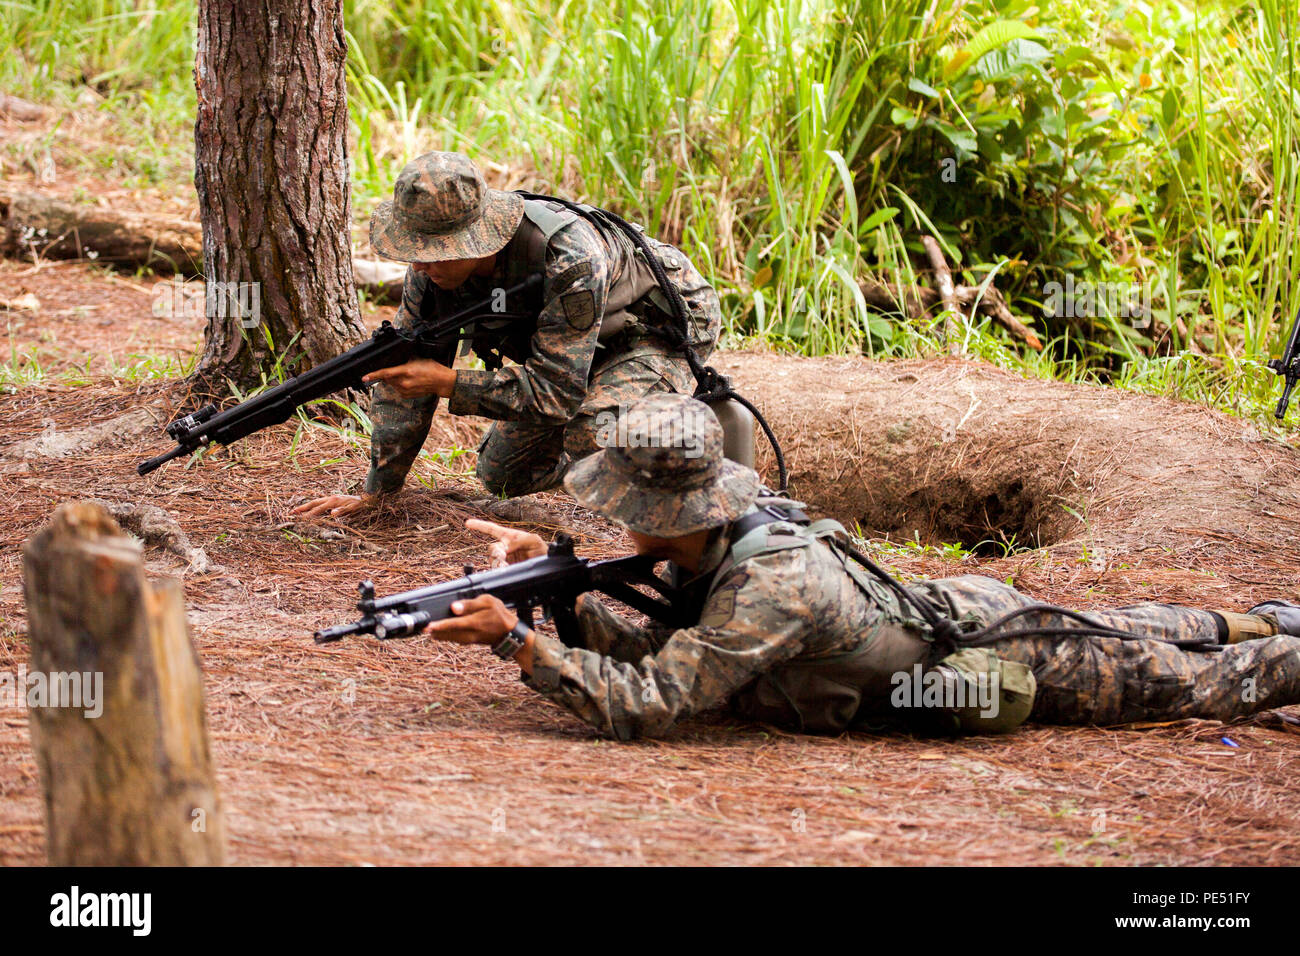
x=633, y=294
x=832, y=692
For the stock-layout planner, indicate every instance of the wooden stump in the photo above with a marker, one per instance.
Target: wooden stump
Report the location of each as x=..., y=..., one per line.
x=132, y=785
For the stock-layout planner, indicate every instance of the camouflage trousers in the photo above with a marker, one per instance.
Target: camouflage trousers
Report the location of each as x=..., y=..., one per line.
x=1103, y=680
x=519, y=458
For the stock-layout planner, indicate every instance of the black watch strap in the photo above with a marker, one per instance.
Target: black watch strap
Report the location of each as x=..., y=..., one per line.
x=512, y=643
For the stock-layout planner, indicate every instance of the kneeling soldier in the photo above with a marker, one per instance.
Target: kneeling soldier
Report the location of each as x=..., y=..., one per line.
x=792, y=630
x=588, y=342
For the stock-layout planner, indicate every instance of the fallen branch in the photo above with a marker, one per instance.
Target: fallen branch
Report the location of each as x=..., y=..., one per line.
x=21, y=110
x=156, y=528
x=943, y=279
x=37, y=225
x=920, y=303
x=41, y=226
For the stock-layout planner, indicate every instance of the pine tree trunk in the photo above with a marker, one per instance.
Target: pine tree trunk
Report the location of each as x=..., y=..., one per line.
x=272, y=179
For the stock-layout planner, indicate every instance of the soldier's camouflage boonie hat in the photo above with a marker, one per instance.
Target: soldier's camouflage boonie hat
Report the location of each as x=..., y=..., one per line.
x=442, y=209
x=661, y=471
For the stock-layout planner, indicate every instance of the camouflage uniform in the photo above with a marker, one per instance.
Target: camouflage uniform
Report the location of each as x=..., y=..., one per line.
x=585, y=343
x=792, y=632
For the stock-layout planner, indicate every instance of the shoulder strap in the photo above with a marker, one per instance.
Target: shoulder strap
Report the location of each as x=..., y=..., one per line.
x=746, y=544
x=770, y=514
x=547, y=222
x=800, y=531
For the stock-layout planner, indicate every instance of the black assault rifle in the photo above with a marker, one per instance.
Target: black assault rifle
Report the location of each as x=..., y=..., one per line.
x=551, y=583
x=388, y=346
x=1288, y=366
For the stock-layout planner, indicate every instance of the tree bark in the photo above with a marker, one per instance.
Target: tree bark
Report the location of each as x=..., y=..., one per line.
x=272, y=180
x=133, y=784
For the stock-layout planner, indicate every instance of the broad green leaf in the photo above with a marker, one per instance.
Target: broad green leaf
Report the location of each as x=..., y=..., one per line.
x=1169, y=106
x=997, y=34
x=916, y=86
x=904, y=117
x=963, y=139
x=881, y=328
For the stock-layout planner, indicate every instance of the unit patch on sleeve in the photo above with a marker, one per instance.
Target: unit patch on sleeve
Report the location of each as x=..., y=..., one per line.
x=579, y=308
x=721, y=607
x=579, y=270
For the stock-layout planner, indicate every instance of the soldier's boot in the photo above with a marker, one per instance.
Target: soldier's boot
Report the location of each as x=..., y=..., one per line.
x=1286, y=614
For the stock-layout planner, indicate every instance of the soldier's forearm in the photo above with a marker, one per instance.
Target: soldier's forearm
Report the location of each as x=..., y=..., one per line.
x=525, y=656
x=514, y=394
x=618, y=699
x=400, y=428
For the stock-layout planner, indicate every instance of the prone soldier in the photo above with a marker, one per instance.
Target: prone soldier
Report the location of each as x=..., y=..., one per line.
x=792, y=630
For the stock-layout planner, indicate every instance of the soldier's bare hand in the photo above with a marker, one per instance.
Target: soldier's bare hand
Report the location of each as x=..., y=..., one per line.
x=480, y=620
x=336, y=506
x=415, y=378
x=511, y=545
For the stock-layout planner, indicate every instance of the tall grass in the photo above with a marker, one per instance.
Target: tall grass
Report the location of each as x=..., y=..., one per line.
x=795, y=148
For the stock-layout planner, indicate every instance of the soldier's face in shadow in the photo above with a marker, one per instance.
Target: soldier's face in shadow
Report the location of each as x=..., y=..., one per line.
x=452, y=273
x=684, y=551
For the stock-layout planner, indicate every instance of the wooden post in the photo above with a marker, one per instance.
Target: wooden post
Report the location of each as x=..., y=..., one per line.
x=132, y=785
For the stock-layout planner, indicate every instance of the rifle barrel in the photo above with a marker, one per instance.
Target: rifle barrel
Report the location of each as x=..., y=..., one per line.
x=158, y=460
x=386, y=347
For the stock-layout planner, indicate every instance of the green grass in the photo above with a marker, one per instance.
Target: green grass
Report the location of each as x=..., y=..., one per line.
x=796, y=148
x=22, y=368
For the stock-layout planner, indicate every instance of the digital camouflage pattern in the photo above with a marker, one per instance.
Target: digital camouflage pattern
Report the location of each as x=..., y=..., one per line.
x=776, y=630
x=792, y=631
x=442, y=209
x=772, y=611
x=1105, y=680
x=548, y=405
x=662, y=471
x=517, y=457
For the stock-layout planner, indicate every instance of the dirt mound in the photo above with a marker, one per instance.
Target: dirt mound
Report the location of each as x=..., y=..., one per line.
x=950, y=450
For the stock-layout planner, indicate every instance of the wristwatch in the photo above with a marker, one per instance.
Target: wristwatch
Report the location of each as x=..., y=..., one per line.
x=512, y=643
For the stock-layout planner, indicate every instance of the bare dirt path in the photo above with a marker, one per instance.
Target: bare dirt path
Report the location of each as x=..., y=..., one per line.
x=411, y=752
